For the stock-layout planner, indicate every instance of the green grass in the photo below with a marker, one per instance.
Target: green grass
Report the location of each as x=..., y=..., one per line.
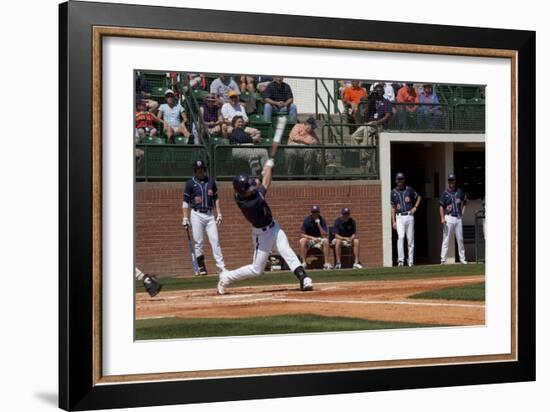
x=171, y=328
x=474, y=292
x=277, y=278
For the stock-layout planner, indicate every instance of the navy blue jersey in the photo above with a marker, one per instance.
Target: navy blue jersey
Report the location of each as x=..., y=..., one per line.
x=404, y=199
x=345, y=229
x=452, y=201
x=254, y=208
x=201, y=193
x=310, y=228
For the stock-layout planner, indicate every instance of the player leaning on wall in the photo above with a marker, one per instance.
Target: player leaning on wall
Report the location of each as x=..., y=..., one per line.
x=200, y=201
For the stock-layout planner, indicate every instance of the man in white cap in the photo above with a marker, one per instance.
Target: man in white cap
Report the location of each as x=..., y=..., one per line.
x=173, y=115
x=452, y=204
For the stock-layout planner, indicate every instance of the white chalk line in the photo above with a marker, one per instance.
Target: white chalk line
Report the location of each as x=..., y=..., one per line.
x=381, y=302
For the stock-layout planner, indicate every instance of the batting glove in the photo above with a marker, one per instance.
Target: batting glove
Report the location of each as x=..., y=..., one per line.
x=185, y=223
x=219, y=219
x=270, y=163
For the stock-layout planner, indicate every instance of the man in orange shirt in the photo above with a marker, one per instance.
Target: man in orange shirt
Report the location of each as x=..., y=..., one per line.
x=303, y=134
x=406, y=94
x=352, y=98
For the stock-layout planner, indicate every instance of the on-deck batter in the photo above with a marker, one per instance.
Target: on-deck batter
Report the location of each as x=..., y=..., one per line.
x=267, y=235
x=201, y=196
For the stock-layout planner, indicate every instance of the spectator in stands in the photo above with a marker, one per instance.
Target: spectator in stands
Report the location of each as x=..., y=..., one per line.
x=378, y=111
x=212, y=116
x=247, y=84
x=342, y=85
x=221, y=87
x=352, y=97
x=235, y=108
x=173, y=116
x=303, y=134
x=262, y=82
x=314, y=235
x=345, y=235
x=388, y=90
x=406, y=94
x=196, y=81
x=143, y=92
x=429, y=112
x=255, y=157
x=279, y=99
x=146, y=122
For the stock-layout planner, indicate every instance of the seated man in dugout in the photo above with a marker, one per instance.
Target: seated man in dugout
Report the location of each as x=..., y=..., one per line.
x=303, y=134
x=314, y=235
x=345, y=235
x=255, y=157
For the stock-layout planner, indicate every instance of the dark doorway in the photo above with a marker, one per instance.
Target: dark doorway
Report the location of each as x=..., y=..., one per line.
x=410, y=159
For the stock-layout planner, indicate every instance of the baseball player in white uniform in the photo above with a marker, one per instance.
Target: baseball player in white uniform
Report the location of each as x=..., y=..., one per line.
x=404, y=204
x=200, y=201
x=267, y=235
x=452, y=204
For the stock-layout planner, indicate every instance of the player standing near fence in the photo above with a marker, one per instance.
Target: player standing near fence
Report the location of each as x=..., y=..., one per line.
x=404, y=204
x=452, y=204
x=200, y=202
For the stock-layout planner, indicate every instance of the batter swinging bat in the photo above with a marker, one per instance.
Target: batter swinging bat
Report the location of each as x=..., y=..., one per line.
x=281, y=123
x=192, y=251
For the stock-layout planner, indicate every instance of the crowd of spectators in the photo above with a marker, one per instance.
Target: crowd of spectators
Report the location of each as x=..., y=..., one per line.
x=228, y=102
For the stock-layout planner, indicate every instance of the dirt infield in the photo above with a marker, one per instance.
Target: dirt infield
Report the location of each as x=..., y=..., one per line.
x=374, y=300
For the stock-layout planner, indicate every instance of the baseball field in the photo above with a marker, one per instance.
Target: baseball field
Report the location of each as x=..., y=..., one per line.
x=343, y=300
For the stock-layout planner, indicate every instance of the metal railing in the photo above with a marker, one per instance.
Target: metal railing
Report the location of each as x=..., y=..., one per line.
x=299, y=162
x=480, y=235
x=166, y=162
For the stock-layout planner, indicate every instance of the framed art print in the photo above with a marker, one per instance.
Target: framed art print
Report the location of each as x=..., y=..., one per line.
x=258, y=206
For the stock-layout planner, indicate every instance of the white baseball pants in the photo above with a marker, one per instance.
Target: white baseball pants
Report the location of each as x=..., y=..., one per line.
x=452, y=225
x=206, y=222
x=405, y=228
x=264, y=242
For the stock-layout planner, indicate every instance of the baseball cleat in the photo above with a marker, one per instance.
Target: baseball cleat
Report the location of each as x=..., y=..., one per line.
x=306, y=284
x=411, y=264
x=221, y=287
x=357, y=266
x=400, y=264
x=463, y=262
x=338, y=266
x=151, y=285
x=327, y=266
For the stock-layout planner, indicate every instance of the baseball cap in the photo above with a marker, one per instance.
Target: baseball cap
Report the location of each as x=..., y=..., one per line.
x=232, y=93
x=409, y=84
x=169, y=91
x=199, y=164
x=315, y=209
x=399, y=176
x=311, y=121
x=451, y=176
x=346, y=211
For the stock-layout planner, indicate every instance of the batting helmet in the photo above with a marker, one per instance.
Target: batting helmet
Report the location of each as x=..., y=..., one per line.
x=243, y=183
x=199, y=164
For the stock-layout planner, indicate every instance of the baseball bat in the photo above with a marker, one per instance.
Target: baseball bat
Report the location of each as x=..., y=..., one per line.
x=280, y=128
x=192, y=252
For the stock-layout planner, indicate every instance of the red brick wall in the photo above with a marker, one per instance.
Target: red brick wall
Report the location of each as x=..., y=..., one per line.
x=161, y=243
